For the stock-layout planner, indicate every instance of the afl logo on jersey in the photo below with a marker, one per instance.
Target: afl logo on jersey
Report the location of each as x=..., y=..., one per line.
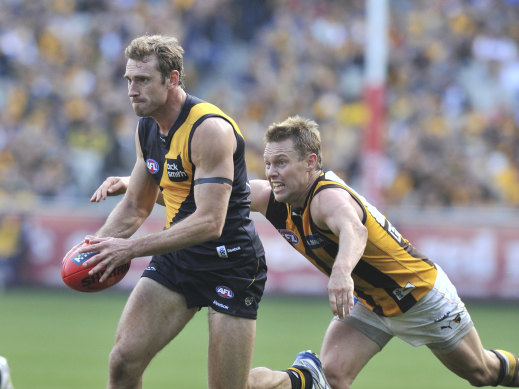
x=225, y=292
x=153, y=166
x=290, y=236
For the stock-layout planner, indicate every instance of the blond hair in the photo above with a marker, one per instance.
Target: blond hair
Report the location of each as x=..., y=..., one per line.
x=303, y=132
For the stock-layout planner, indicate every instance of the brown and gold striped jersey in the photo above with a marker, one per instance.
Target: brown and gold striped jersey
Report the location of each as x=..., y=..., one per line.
x=390, y=277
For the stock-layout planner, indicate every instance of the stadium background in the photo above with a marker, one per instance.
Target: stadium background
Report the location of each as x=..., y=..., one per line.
x=450, y=164
x=450, y=168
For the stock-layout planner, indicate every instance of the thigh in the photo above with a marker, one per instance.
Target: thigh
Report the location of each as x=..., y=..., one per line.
x=345, y=351
x=152, y=317
x=231, y=342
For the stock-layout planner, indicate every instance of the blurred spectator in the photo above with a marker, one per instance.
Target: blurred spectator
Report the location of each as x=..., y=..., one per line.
x=452, y=94
x=12, y=249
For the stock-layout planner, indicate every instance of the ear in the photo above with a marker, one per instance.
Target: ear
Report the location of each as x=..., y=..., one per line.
x=173, y=79
x=311, y=160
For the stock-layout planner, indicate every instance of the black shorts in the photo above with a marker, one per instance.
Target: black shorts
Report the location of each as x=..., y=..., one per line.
x=236, y=291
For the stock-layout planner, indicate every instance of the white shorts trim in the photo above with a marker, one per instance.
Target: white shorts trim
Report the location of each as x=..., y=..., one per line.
x=439, y=320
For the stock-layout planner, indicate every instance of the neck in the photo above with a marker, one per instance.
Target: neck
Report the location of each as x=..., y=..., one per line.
x=300, y=203
x=170, y=111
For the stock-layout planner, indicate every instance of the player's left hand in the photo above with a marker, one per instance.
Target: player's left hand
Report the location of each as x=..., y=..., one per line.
x=340, y=294
x=112, y=252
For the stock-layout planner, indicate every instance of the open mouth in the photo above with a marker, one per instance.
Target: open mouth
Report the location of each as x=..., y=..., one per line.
x=277, y=186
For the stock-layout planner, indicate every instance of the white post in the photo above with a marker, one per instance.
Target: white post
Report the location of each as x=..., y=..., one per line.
x=374, y=95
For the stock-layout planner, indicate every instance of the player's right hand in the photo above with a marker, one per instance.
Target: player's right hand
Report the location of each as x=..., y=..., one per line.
x=340, y=294
x=112, y=186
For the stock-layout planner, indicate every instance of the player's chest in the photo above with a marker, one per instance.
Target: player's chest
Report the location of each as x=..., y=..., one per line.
x=168, y=161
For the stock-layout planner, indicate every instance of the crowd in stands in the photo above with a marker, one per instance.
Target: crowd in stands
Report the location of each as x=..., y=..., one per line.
x=451, y=136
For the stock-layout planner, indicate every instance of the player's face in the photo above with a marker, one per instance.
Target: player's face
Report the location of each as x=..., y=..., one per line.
x=146, y=90
x=287, y=174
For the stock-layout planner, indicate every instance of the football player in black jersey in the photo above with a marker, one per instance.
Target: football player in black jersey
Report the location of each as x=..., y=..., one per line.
x=209, y=254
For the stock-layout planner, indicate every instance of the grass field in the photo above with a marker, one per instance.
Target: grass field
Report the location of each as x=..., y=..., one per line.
x=61, y=340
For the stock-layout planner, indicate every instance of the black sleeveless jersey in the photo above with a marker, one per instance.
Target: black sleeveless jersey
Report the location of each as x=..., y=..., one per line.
x=169, y=163
x=390, y=277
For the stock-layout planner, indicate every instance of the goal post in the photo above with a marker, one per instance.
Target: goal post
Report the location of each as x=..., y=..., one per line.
x=376, y=50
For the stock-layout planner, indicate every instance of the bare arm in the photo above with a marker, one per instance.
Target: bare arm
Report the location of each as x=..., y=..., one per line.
x=136, y=204
x=212, y=146
x=212, y=149
x=334, y=210
x=115, y=186
x=133, y=208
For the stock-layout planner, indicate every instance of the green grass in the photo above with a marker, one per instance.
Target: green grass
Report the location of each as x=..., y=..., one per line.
x=61, y=340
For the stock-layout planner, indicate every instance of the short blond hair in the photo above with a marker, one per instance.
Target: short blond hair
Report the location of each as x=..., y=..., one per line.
x=303, y=132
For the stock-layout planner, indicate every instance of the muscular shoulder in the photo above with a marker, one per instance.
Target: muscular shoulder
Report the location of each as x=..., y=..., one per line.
x=214, y=133
x=332, y=203
x=212, y=148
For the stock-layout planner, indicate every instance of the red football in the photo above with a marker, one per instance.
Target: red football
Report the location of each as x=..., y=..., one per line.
x=76, y=276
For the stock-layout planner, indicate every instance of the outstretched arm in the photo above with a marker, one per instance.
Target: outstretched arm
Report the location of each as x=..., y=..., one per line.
x=336, y=211
x=259, y=195
x=115, y=186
